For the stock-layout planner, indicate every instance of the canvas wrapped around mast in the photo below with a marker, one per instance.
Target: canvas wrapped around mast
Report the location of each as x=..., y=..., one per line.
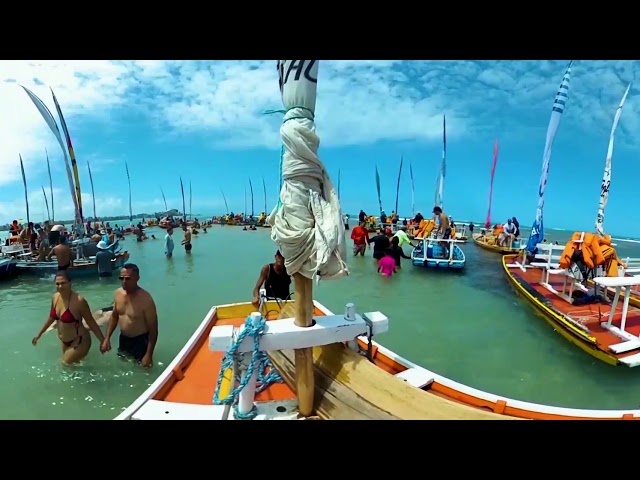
x=307, y=225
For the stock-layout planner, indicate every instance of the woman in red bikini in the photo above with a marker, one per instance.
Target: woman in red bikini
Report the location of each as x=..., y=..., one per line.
x=68, y=308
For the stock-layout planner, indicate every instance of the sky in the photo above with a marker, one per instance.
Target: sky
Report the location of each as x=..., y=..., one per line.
x=204, y=121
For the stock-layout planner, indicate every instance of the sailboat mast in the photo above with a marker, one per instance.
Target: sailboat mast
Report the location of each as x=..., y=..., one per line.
x=398, y=186
x=606, y=176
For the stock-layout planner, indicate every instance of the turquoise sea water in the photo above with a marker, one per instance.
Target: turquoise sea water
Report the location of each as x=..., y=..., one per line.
x=468, y=326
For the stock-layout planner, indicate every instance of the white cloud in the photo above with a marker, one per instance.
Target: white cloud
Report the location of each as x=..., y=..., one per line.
x=359, y=101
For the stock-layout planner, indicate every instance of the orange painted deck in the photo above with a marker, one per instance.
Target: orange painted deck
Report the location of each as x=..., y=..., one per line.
x=195, y=380
x=591, y=315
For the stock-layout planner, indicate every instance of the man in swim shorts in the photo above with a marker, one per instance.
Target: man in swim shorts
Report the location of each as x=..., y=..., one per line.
x=187, y=238
x=444, y=229
x=63, y=253
x=134, y=311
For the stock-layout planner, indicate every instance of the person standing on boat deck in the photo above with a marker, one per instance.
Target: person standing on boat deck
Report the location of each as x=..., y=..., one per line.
x=275, y=279
x=360, y=237
x=168, y=243
x=134, y=311
x=508, y=233
x=104, y=259
x=444, y=229
x=68, y=308
x=380, y=244
x=63, y=254
x=187, y=238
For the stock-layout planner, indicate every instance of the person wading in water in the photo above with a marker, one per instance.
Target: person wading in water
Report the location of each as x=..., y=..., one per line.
x=275, y=279
x=187, y=239
x=68, y=308
x=134, y=311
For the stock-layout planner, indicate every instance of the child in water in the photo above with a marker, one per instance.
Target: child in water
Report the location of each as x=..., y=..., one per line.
x=387, y=265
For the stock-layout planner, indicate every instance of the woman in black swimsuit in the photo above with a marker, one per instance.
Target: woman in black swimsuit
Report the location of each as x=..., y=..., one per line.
x=68, y=308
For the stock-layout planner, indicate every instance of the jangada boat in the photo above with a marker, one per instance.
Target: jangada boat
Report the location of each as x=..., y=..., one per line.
x=555, y=287
x=84, y=267
x=429, y=253
x=7, y=268
x=295, y=359
x=609, y=332
x=489, y=242
x=348, y=385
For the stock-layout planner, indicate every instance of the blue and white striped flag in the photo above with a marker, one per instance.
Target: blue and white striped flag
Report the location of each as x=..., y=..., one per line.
x=537, y=230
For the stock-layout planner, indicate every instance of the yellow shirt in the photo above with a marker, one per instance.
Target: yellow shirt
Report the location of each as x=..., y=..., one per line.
x=402, y=237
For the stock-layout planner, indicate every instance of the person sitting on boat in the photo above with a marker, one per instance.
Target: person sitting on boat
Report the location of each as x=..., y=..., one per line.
x=396, y=252
x=135, y=312
x=42, y=244
x=275, y=280
x=444, y=229
x=387, y=265
x=63, y=253
x=380, y=244
x=508, y=233
x=14, y=229
x=104, y=259
x=68, y=308
x=25, y=236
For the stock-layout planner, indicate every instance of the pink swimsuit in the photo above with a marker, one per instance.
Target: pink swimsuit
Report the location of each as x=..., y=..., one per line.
x=387, y=266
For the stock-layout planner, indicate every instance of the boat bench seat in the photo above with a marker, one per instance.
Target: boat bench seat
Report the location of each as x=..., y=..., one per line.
x=631, y=360
x=157, y=410
x=625, y=346
x=416, y=377
x=560, y=271
x=545, y=264
x=632, y=270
